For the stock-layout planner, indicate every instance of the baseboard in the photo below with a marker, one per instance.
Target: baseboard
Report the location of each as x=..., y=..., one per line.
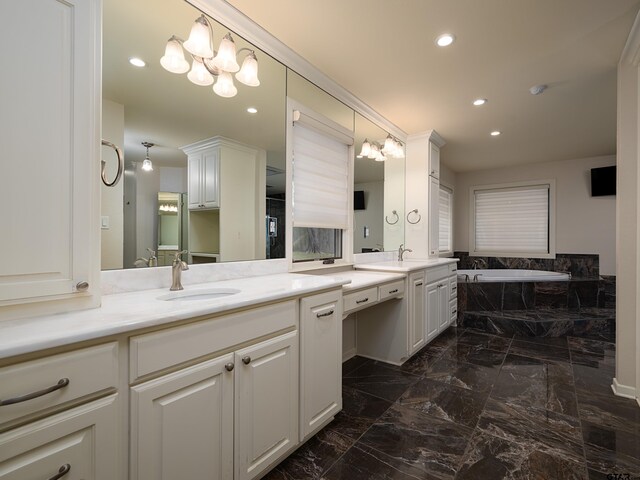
x=624, y=390
x=348, y=354
x=383, y=360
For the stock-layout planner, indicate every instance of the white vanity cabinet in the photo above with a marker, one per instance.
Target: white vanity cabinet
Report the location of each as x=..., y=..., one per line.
x=320, y=361
x=50, y=119
x=231, y=416
x=417, y=323
x=203, y=184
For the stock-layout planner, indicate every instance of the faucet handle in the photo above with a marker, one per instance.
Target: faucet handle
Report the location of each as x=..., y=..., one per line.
x=177, y=255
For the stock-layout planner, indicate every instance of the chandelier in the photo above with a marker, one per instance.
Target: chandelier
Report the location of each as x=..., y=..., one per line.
x=392, y=148
x=208, y=63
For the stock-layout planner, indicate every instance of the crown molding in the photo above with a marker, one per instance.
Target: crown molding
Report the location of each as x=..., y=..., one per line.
x=631, y=52
x=239, y=23
x=430, y=135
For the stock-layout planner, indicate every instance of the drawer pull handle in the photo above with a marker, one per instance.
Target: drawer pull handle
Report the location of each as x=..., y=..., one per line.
x=246, y=360
x=325, y=314
x=454, y=312
x=419, y=284
x=62, y=471
x=454, y=288
x=63, y=382
x=393, y=291
x=363, y=300
x=229, y=366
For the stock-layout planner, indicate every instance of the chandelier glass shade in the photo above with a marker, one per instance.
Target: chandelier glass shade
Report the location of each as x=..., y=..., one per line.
x=207, y=63
x=391, y=148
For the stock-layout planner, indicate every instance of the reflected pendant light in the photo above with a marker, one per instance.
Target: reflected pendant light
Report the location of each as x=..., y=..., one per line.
x=147, y=166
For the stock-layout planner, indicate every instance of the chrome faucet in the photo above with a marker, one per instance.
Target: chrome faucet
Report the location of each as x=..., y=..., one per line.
x=475, y=263
x=177, y=268
x=401, y=251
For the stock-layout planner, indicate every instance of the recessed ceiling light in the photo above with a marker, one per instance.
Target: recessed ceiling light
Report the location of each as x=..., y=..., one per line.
x=479, y=101
x=495, y=133
x=252, y=110
x=445, y=39
x=358, y=156
x=137, y=62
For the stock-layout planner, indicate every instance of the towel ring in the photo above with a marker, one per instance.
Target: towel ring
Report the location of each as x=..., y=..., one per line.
x=120, y=165
x=415, y=210
x=392, y=213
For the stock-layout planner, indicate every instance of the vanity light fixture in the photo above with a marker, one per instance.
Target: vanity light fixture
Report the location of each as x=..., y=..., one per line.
x=208, y=63
x=479, y=101
x=495, y=133
x=445, y=39
x=392, y=148
x=137, y=62
x=147, y=166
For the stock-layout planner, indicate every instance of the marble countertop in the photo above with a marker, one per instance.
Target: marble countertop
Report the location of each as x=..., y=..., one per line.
x=127, y=312
x=407, y=265
x=360, y=279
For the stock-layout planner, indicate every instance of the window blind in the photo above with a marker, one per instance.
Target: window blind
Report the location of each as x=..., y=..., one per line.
x=445, y=219
x=320, y=179
x=512, y=219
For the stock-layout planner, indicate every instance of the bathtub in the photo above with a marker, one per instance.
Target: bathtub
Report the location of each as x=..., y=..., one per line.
x=511, y=275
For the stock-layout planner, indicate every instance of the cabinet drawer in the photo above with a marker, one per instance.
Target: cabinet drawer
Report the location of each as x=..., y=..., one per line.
x=360, y=299
x=88, y=371
x=453, y=308
x=390, y=290
x=157, y=351
x=437, y=273
x=453, y=268
x=453, y=287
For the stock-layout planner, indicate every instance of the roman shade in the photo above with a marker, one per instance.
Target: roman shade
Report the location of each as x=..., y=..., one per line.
x=445, y=206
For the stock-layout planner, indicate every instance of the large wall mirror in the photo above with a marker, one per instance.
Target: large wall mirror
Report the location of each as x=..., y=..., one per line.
x=378, y=192
x=242, y=216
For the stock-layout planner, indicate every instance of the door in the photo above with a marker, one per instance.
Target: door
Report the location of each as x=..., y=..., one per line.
x=321, y=360
x=82, y=441
x=417, y=319
x=182, y=424
x=266, y=404
x=433, y=313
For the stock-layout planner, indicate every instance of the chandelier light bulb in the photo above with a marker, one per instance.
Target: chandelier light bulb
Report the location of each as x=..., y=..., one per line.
x=366, y=148
x=199, y=42
x=199, y=74
x=226, y=57
x=375, y=151
x=147, y=166
x=224, y=86
x=389, y=144
x=173, y=59
x=248, y=74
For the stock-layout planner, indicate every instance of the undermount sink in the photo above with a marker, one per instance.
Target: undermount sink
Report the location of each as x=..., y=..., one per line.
x=198, y=295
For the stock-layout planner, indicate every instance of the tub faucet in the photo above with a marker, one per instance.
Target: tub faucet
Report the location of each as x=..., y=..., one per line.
x=177, y=268
x=401, y=251
x=474, y=264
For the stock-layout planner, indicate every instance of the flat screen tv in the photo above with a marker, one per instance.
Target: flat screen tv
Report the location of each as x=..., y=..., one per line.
x=358, y=200
x=603, y=181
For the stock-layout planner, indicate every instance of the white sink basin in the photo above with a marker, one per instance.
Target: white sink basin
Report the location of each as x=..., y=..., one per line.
x=198, y=295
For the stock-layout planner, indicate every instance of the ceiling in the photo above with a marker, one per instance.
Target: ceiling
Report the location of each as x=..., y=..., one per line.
x=384, y=53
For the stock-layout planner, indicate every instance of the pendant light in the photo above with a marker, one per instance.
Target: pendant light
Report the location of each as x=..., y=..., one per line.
x=147, y=166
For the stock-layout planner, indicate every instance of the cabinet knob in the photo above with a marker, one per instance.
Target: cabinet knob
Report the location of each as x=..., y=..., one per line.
x=229, y=366
x=82, y=286
x=62, y=471
x=246, y=360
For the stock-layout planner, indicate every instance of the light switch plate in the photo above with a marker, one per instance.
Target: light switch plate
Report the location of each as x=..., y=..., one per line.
x=104, y=222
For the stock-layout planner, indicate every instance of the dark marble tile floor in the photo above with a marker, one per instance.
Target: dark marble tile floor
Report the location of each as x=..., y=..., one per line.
x=476, y=406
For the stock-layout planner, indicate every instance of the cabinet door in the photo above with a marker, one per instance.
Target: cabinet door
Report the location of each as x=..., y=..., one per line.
x=182, y=424
x=444, y=310
x=433, y=310
x=194, y=181
x=434, y=217
x=50, y=148
x=417, y=319
x=83, y=441
x=434, y=160
x=321, y=360
x=211, y=178
x=266, y=404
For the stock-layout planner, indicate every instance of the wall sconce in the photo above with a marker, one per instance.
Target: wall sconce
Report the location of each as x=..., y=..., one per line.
x=207, y=63
x=392, y=148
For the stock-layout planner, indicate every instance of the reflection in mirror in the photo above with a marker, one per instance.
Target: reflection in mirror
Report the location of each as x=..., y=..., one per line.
x=378, y=193
x=229, y=195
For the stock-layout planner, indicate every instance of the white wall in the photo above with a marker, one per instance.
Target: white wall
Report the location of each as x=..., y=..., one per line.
x=584, y=224
x=111, y=197
x=371, y=217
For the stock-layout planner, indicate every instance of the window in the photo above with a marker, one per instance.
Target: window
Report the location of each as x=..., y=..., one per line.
x=322, y=191
x=513, y=220
x=445, y=241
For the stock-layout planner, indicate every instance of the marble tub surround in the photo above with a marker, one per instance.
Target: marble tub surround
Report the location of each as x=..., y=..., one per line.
x=541, y=408
x=577, y=264
x=131, y=311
